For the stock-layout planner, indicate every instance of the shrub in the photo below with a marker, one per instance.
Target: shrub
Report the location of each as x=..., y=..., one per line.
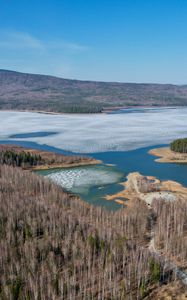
x=179, y=145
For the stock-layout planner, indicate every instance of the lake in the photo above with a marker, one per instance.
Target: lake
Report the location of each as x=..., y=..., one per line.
x=125, y=162
x=122, y=139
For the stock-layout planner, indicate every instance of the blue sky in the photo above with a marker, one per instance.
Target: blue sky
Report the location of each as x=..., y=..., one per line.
x=105, y=40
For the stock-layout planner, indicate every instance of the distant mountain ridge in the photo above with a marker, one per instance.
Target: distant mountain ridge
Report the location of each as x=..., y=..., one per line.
x=22, y=91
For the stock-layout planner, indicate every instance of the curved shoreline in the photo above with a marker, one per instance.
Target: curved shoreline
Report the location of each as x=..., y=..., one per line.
x=64, y=166
x=50, y=160
x=167, y=156
x=146, y=189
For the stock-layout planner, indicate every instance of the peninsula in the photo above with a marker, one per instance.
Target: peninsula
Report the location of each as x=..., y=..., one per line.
x=176, y=153
x=148, y=189
x=32, y=159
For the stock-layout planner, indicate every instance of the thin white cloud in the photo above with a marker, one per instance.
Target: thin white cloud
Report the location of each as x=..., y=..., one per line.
x=67, y=45
x=16, y=39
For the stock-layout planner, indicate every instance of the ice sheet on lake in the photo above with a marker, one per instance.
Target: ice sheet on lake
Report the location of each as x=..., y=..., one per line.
x=96, y=132
x=80, y=179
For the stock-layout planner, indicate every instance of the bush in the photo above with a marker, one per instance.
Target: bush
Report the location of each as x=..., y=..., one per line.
x=155, y=270
x=179, y=145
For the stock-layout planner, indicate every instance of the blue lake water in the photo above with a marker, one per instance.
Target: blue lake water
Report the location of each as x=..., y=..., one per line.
x=125, y=162
x=92, y=185
x=32, y=134
x=140, y=161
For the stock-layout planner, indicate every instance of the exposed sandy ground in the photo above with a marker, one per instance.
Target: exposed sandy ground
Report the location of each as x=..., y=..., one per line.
x=147, y=188
x=168, y=156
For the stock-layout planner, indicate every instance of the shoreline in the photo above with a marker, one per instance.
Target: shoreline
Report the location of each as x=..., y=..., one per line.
x=65, y=166
x=103, y=112
x=147, y=189
x=50, y=160
x=165, y=155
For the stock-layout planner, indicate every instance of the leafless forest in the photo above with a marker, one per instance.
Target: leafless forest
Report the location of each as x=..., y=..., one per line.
x=171, y=229
x=55, y=246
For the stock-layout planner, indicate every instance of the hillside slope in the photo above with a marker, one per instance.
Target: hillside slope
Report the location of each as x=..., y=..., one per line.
x=47, y=93
x=55, y=246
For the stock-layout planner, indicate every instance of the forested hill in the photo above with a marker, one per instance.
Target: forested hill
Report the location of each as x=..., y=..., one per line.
x=22, y=91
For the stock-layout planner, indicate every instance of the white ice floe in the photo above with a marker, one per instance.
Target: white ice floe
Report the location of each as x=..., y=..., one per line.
x=80, y=179
x=99, y=132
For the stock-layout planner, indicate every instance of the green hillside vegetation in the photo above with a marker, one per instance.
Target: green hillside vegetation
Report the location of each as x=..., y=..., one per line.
x=179, y=145
x=21, y=91
x=21, y=159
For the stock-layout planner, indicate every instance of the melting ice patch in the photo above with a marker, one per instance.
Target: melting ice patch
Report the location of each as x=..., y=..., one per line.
x=79, y=180
x=98, y=132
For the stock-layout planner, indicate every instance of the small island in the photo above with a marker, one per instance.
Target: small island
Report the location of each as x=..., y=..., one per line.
x=176, y=153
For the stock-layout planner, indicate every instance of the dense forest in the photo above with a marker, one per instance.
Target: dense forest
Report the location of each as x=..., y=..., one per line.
x=21, y=91
x=19, y=159
x=179, y=145
x=55, y=246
